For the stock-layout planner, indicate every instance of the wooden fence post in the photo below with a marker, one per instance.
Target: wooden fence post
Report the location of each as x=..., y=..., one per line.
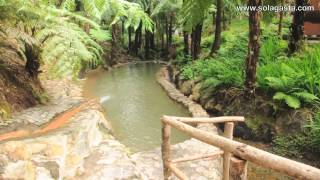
x=165, y=150
x=228, y=133
x=238, y=169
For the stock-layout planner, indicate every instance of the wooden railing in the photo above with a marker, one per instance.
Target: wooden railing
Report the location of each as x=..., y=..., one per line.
x=230, y=149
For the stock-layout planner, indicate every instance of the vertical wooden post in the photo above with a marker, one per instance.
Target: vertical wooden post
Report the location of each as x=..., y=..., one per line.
x=238, y=169
x=165, y=150
x=228, y=133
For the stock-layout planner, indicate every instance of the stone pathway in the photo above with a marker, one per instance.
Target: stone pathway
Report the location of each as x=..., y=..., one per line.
x=63, y=95
x=150, y=162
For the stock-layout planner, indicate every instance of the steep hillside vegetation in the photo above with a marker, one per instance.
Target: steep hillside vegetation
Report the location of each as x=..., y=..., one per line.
x=19, y=63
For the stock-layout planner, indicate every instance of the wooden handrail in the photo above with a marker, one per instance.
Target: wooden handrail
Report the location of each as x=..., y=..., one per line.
x=196, y=157
x=246, y=152
x=207, y=120
x=177, y=172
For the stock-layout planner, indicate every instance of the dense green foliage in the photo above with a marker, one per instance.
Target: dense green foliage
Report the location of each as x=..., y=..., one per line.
x=226, y=68
x=293, y=80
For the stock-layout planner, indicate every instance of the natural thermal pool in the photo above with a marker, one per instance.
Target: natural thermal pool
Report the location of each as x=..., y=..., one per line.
x=134, y=103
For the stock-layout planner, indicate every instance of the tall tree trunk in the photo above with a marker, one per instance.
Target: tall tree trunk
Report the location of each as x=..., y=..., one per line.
x=170, y=30
x=281, y=14
x=137, y=39
x=129, y=39
x=186, y=43
x=253, y=50
x=167, y=36
x=122, y=32
x=113, y=44
x=280, y=24
x=296, y=37
x=162, y=42
x=152, y=41
x=196, y=41
x=148, y=38
x=162, y=35
x=218, y=29
x=140, y=36
x=157, y=35
x=147, y=44
x=32, y=56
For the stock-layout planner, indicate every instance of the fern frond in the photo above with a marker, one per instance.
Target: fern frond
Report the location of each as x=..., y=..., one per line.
x=305, y=96
x=291, y=101
x=69, y=5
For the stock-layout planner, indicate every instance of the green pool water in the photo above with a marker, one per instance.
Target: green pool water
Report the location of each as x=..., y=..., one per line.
x=134, y=103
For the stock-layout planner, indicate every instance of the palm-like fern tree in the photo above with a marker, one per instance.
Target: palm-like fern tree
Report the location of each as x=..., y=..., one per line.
x=218, y=28
x=253, y=49
x=296, y=37
x=66, y=52
x=66, y=47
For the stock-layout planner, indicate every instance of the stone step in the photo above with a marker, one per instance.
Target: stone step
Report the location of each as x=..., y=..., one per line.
x=150, y=163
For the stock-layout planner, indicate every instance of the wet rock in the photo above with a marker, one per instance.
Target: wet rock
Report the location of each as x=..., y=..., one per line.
x=196, y=94
x=186, y=87
x=43, y=173
x=109, y=161
x=19, y=170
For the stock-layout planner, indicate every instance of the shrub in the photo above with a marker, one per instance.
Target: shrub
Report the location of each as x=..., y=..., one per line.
x=294, y=80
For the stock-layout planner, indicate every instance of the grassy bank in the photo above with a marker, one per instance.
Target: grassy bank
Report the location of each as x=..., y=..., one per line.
x=287, y=82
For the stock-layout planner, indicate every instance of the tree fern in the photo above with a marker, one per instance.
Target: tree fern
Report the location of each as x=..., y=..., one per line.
x=66, y=47
x=95, y=8
x=131, y=13
x=165, y=6
x=193, y=12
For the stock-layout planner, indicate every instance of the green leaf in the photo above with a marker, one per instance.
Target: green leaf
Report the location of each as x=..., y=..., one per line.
x=2, y=2
x=275, y=83
x=291, y=101
x=305, y=96
x=100, y=35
